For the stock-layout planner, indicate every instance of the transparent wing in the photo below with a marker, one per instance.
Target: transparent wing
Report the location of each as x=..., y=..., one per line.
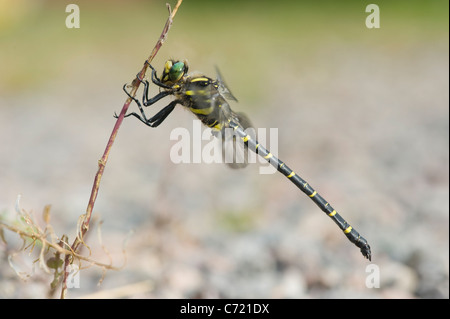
x=223, y=88
x=219, y=113
x=234, y=150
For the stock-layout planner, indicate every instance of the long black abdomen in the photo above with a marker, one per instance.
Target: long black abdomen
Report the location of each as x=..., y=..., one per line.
x=348, y=230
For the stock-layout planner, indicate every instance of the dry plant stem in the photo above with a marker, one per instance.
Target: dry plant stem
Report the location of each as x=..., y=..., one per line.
x=102, y=162
x=57, y=247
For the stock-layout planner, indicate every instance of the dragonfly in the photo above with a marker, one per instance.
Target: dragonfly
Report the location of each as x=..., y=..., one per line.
x=208, y=99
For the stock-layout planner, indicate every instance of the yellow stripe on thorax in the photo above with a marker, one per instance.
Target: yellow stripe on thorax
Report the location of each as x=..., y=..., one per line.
x=196, y=92
x=200, y=79
x=202, y=111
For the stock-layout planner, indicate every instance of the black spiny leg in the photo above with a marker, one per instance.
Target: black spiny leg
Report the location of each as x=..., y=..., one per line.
x=138, y=104
x=159, y=117
x=155, y=78
x=150, y=101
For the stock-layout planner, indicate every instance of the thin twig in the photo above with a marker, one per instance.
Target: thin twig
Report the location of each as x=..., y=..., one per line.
x=102, y=162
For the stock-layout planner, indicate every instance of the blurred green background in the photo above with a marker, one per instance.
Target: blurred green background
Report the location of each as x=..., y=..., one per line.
x=362, y=114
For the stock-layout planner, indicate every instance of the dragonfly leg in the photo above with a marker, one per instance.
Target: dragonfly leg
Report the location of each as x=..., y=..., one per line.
x=129, y=95
x=149, y=101
x=158, y=118
x=155, y=79
x=138, y=104
x=146, y=101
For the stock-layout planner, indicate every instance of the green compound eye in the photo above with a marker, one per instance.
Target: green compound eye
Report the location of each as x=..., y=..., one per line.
x=176, y=71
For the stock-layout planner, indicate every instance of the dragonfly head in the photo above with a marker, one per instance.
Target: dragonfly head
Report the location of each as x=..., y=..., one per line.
x=174, y=71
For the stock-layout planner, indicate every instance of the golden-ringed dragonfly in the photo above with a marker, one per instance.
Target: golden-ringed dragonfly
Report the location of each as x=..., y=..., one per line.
x=207, y=99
